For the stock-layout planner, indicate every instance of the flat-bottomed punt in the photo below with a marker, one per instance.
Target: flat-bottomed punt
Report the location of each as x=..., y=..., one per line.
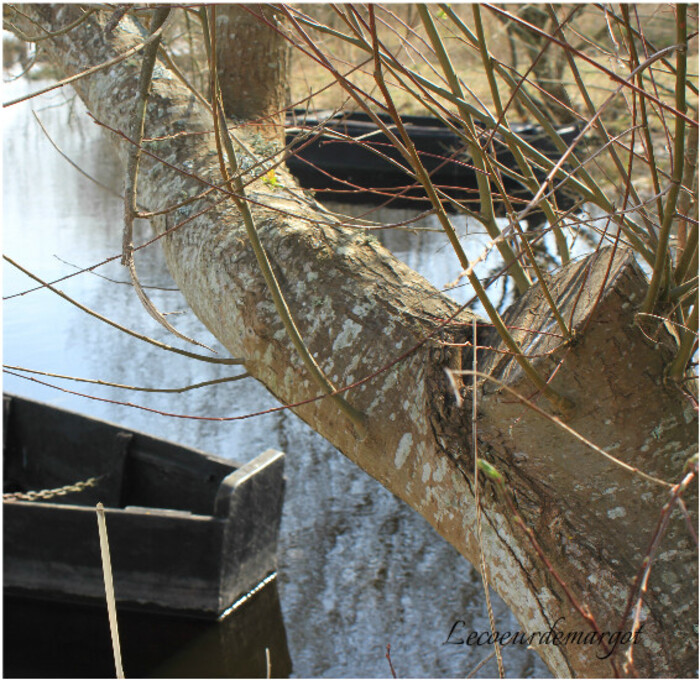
x=346, y=156
x=188, y=532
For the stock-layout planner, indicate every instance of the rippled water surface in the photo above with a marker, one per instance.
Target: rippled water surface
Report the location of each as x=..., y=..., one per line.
x=357, y=568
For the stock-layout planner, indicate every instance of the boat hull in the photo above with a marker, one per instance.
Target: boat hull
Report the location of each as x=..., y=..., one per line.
x=346, y=157
x=188, y=532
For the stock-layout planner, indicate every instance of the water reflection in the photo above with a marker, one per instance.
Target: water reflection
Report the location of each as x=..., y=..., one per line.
x=357, y=568
x=45, y=639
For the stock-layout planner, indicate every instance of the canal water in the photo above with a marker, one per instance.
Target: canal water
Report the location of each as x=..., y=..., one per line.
x=357, y=569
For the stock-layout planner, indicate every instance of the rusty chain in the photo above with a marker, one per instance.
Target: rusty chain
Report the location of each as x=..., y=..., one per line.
x=45, y=494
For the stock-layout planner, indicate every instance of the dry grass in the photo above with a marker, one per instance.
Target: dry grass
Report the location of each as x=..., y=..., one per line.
x=403, y=35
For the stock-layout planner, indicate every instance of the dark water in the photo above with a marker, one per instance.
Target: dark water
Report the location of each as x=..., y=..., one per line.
x=52, y=640
x=357, y=568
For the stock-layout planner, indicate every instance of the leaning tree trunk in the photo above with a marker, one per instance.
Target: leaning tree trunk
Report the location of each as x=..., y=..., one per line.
x=358, y=308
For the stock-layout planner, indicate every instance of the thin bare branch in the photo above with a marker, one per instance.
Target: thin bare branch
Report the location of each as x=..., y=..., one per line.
x=128, y=331
x=87, y=72
x=104, y=383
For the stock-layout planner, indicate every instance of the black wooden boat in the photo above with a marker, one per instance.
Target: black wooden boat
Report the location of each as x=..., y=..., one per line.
x=351, y=159
x=188, y=532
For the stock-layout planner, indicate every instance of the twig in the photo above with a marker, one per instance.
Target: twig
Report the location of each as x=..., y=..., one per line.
x=582, y=55
x=128, y=331
x=116, y=17
x=646, y=131
x=662, y=261
x=142, y=213
x=689, y=251
x=107, y=278
x=47, y=34
x=599, y=111
x=26, y=69
x=477, y=503
x=587, y=186
x=561, y=403
x=623, y=174
x=640, y=584
x=170, y=62
x=167, y=390
x=109, y=190
x=646, y=43
x=480, y=665
x=154, y=313
x=421, y=87
x=689, y=339
x=157, y=237
x=524, y=165
x=487, y=216
x=137, y=126
x=89, y=71
x=388, y=658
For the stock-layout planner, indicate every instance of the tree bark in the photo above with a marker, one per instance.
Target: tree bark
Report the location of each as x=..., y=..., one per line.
x=358, y=308
x=253, y=65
